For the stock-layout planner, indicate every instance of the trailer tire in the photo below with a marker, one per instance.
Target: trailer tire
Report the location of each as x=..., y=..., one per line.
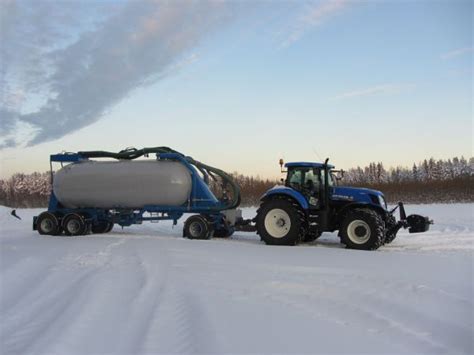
x=110, y=227
x=102, y=227
x=280, y=221
x=197, y=227
x=74, y=225
x=362, y=229
x=48, y=224
x=223, y=233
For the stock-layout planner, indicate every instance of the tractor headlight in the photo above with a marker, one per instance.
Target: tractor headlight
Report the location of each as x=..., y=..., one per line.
x=382, y=202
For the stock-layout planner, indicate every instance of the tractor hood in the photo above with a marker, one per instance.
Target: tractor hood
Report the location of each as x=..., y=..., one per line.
x=356, y=194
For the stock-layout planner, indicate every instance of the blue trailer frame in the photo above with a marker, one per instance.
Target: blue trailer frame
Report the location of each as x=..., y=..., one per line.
x=201, y=200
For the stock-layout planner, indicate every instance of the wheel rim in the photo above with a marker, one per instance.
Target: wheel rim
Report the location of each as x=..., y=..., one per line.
x=358, y=232
x=73, y=226
x=195, y=229
x=47, y=225
x=277, y=223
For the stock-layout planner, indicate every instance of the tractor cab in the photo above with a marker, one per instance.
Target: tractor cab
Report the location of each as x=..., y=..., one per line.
x=307, y=177
x=310, y=180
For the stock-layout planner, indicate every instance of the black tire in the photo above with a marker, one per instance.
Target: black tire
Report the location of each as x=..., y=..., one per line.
x=48, y=224
x=272, y=217
x=223, y=233
x=362, y=229
x=109, y=227
x=102, y=227
x=311, y=237
x=74, y=224
x=390, y=236
x=197, y=227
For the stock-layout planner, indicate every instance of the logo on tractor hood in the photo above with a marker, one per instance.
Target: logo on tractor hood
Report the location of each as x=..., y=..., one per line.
x=356, y=194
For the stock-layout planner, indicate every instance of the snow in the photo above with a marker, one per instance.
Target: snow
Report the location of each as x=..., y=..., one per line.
x=145, y=289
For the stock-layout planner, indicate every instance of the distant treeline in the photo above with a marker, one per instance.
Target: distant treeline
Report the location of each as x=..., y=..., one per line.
x=430, y=181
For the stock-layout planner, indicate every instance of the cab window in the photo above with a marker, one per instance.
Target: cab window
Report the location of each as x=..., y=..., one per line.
x=330, y=178
x=303, y=179
x=294, y=178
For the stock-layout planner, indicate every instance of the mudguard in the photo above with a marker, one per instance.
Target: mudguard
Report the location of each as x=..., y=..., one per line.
x=349, y=206
x=286, y=191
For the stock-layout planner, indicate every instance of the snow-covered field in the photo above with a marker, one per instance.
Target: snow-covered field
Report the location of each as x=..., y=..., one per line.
x=146, y=290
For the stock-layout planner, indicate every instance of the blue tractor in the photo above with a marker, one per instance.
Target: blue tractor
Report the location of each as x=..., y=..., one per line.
x=311, y=202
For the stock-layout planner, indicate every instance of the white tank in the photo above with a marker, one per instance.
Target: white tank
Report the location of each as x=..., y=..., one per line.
x=122, y=184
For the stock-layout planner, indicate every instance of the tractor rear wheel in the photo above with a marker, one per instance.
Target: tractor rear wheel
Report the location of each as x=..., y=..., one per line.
x=280, y=222
x=362, y=229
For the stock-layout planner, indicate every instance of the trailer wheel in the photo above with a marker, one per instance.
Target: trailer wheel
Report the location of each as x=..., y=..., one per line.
x=223, y=233
x=48, y=224
x=74, y=224
x=197, y=227
x=109, y=227
x=102, y=227
x=362, y=229
x=280, y=222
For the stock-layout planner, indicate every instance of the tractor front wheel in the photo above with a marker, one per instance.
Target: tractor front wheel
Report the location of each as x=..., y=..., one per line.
x=391, y=234
x=362, y=229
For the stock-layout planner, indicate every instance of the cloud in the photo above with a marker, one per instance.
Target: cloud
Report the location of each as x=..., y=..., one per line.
x=74, y=72
x=456, y=52
x=313, y=16
x=374, y=90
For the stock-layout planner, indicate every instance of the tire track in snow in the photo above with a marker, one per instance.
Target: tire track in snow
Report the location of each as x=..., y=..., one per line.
x=333, y=296
x=37, y=319
x=153, y=265
x=181, y=326
x=25, y=326
x=31, y=270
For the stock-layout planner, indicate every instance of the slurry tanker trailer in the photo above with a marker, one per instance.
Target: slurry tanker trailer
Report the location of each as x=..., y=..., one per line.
x=91, y=195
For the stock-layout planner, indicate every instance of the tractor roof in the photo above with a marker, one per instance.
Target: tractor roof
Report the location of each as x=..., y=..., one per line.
x=307, y=165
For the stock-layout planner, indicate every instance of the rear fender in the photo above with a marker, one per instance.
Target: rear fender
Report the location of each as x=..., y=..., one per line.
x=286, y=192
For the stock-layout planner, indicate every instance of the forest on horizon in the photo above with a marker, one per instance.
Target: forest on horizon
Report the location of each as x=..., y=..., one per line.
x=429, y=181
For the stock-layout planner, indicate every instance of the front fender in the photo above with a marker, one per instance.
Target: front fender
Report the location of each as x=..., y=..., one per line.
x=286, y=191
x=350, y=206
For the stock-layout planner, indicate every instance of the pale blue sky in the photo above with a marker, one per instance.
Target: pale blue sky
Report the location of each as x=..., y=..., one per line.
x=244, y=83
